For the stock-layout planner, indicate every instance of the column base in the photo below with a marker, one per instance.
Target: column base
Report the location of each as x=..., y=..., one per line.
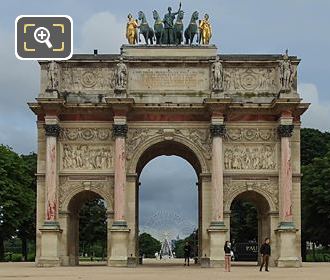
x=205, y=262
x=132, y=261
x=50, y=243
x=288, y=255
x=217, y=232
x=289, y=262
x=119, y=242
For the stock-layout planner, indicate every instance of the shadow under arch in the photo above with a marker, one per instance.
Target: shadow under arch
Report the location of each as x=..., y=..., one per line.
x=161, y=147
x=263, y=205
x=74, y=205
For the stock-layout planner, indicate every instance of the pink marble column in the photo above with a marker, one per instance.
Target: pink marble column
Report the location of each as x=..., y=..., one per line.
x=119, y=132
x=285, y=131
x=217, y=132
x=52, y=132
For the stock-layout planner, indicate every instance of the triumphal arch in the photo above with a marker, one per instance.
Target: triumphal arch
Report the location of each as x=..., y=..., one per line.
x=102, y=117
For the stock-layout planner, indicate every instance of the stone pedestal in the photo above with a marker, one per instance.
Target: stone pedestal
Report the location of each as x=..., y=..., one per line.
x=287, y=247
x=118, y=251
x=50, y=243
x=217, y=233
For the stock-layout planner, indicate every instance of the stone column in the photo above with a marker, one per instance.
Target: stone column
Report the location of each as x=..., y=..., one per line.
x=288, y=256
x=119, y=230
x=217, y=229
x=50, y=231
x=119, y=132
x=217, y=132
x=285, y=132
x=52, y=131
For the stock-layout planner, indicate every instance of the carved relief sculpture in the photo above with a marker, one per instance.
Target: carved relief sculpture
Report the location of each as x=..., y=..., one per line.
x=76, y=156
x=252, y=157
x=250, y=80
x=85, y=134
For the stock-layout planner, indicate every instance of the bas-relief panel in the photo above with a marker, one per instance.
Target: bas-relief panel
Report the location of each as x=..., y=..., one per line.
x=250, y=148
x=86, y=79
x=169, y=78
x=254, y=80
x=89, y=149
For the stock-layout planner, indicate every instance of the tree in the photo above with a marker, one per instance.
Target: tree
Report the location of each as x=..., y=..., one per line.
x=93, y=226
x=27, y=229
x=314, y=143
x=148, y=245
x=192, y=239
x=314, y=147
x=15, y=197
x=316, y=200
x=243, y=222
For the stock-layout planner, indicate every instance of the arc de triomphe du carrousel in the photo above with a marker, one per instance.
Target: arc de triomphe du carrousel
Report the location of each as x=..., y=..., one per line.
x=102, y=117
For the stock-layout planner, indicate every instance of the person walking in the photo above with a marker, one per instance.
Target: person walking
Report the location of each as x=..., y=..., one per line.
x=187, y=252
x=227, y=249
x=265, y=251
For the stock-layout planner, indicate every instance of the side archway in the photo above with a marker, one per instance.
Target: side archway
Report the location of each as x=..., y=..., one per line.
x=69, y=220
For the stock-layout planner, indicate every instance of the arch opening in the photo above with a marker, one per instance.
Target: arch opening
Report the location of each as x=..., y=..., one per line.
x=168, y=200
x=87, y=229
x=249, y=225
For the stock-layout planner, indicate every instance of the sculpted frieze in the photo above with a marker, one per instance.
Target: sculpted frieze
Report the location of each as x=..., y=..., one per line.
x=250, y=134
x=85, y=134
x=87, y=157
x=250, y=79
x=81, y=79
x=250, y=157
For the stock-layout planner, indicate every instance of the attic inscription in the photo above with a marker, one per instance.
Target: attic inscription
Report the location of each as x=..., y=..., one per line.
x=169, y=79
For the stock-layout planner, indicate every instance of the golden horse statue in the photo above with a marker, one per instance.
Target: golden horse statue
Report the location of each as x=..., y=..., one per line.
x=131, y=30
x=205, y=30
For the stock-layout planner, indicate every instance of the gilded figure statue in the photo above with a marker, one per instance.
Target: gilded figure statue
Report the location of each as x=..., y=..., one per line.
x=132, y=30
x=205, y=30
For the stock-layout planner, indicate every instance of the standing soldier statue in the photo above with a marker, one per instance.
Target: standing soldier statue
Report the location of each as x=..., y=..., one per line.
x=205, y=30
x=169, y=25
x=286, y=72
x=217, y=71
x=131, y=30
x=121, y=75
x=52, y=75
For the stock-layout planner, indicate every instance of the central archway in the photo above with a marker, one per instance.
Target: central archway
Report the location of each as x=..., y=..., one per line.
x=171, y=148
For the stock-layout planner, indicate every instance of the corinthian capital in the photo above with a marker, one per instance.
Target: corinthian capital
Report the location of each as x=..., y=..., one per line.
x=52, y=130
x=285, y=130
x=119, y=130
x=218, y=130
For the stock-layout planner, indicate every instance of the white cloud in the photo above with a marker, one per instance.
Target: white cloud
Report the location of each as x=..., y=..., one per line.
x=318, y=114
x=102, y=31
x=18, y=84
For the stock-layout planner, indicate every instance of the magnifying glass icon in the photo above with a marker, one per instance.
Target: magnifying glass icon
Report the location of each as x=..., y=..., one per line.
x=41, y=35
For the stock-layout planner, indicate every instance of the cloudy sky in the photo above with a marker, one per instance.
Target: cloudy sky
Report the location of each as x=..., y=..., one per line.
x=240, y=26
